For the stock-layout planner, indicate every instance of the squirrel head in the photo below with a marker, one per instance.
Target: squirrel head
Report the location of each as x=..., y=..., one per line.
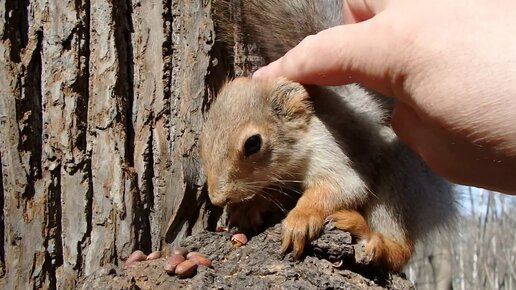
x=253, y=137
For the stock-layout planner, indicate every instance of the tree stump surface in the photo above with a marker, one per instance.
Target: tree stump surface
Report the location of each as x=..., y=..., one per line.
x=257, y=265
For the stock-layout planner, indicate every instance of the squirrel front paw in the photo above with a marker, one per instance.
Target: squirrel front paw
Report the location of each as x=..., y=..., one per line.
x=299, y=227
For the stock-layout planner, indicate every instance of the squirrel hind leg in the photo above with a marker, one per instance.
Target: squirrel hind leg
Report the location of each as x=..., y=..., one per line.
x=351, y=221
x=379, y=250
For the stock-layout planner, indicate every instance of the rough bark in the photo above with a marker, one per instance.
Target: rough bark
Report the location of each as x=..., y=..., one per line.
x=257, y=265
x=101, y=104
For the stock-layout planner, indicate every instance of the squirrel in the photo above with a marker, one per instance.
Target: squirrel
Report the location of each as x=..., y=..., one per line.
x=335, y=143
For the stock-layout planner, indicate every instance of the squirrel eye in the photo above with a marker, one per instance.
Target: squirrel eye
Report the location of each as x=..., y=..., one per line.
x=252, y=145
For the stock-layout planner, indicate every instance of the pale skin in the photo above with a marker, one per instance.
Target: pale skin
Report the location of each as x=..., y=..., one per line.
x=450, y=65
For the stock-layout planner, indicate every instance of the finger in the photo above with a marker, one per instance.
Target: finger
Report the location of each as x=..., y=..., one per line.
x=355, y=11
x=366, y=52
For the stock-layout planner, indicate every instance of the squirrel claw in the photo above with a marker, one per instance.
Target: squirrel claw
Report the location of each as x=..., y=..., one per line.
x=291, y=240
x=369, y=255
x=300, y=227
x=329, y=223
x=371, y=250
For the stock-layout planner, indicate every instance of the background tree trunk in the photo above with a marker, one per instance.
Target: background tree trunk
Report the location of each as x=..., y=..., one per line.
x=101, y=105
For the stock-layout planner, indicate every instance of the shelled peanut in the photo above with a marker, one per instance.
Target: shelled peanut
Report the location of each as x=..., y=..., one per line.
x=184, y=263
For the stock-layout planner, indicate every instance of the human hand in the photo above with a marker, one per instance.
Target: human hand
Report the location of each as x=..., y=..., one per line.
x=451, y=65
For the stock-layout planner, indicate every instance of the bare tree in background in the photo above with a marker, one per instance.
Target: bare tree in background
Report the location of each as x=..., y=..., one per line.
x=488, y=244
x=481, y=256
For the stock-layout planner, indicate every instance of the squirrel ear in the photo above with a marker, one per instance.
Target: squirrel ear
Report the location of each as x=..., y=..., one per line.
x=290, y=100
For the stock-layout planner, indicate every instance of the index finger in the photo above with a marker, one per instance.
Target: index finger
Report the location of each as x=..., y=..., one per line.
x=366, y=52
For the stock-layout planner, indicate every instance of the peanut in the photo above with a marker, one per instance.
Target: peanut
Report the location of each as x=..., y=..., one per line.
x=239, y=239
x=186, y=269
x=136, y=256
x=154, y=255
x=172, y=262
x=199, y=259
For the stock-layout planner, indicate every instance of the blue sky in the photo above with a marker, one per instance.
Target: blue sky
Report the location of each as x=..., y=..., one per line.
x=475, y=200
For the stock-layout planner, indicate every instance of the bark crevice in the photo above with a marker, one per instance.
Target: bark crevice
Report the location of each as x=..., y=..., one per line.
x=29, y=113
x=124, y=87
x=16, y=27
x=83, y=245
x=81, y=84
x=146, y=204
x=187, y=211
x=82, y=87
x=53, y=242
x=167, y=52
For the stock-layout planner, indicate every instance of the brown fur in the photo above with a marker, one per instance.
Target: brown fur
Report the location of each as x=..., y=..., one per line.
x=335, y=144
x=352, y=221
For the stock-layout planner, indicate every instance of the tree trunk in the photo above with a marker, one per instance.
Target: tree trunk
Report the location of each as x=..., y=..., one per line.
x=101, y=106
